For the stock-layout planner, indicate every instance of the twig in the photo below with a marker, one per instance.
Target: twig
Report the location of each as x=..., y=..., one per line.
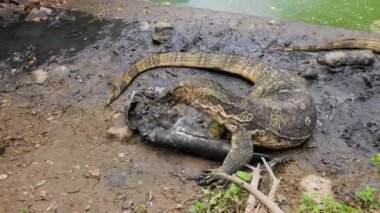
x=257, y=208
x=266, y=201
x=254, y=184
x=276, y=182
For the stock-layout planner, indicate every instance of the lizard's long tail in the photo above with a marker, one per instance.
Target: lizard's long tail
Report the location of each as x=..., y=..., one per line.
x=242, y=66
x=351, y=43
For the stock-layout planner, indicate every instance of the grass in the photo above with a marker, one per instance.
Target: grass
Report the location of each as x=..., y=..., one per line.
x=220, y=200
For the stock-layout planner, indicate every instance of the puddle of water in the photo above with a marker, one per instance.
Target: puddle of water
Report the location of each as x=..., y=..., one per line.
x=72, y=31
x=352, y=14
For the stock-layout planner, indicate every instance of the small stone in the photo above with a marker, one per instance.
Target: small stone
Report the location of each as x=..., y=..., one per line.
x=41, y=183
x=40, y=76
x=34, y=112
x=94, y=173
x=162, y=32
x=43, y=194
x=50, y=118
x=121, y=155
x=120, y=133
x=161, y=26
x=88, y=207
x=272, y=22
x=37, y=146
x=36, y=15
x=3, y=176
x=52, y=59
x=46, y=10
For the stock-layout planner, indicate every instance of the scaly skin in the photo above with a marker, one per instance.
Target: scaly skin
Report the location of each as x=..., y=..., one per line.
x=277, y=112
x=351, y=43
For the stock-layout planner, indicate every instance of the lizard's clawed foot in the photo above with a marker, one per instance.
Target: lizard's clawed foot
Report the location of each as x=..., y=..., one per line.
x=209, y=178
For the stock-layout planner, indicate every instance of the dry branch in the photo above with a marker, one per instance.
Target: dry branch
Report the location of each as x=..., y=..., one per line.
x=250, y=208
x=267, y=201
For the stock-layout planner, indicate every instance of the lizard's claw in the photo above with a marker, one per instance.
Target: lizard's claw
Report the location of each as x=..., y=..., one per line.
x=209, y=178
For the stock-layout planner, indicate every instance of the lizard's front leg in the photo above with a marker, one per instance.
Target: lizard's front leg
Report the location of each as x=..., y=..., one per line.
x=240, y=153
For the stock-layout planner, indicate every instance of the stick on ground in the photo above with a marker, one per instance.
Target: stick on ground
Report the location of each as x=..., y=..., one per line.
x=267, y=201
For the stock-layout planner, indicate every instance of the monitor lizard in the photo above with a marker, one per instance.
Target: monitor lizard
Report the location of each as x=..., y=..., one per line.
x=349, y=43
x=276, y=113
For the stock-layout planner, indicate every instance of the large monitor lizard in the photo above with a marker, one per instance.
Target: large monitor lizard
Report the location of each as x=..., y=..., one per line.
x=350, y=43
x=277, y=112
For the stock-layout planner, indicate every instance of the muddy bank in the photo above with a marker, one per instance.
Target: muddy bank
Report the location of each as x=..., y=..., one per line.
x=57, y=157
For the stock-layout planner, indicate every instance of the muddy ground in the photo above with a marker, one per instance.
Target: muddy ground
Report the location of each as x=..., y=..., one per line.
x=56, y=155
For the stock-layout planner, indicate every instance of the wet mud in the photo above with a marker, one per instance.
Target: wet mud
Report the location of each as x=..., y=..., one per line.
x=56, y=155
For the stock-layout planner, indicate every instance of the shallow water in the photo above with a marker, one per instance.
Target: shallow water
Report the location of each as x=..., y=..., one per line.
x=68, y=31
x=352, y=14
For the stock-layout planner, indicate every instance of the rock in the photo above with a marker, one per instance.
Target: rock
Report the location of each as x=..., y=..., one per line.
x=43, y=194
x=41, y=183
x=121, y=133
x=93, y=173
x=52, y=59
x=342, y=58
x=3, y=176
x=46, y=10
x=87, y=207
x=40, y=76
x=36, y=15
x=316, y=186
x=119, y=130
x=65, y=16
x=162, y=32
x=272, y=22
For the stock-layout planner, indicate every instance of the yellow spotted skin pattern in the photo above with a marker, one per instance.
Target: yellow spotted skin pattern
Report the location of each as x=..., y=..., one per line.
x=350, y=43
x=276, y=113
